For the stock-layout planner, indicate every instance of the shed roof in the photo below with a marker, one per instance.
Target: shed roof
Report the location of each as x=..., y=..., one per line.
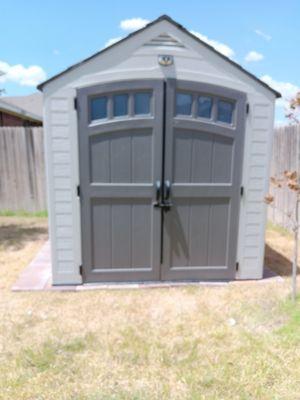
x=26, y=107
x=180, y=27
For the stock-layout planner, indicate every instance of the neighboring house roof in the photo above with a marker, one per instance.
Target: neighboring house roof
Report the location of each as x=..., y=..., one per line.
x=26, y=107
x=179, y=26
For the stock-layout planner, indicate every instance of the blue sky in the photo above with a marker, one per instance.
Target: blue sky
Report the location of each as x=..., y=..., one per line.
x=40, y=38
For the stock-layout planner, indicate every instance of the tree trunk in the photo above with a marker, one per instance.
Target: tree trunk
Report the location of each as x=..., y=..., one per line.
x=295, y=259
x=296, y=228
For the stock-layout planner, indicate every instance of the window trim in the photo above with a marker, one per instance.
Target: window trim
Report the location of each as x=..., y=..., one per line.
x=130, y=105
x=214, y=111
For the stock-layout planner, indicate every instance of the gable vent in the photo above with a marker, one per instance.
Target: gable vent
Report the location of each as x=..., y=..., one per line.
x=164, y=40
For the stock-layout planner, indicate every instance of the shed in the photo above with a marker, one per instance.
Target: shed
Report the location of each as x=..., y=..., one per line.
x=157, y=153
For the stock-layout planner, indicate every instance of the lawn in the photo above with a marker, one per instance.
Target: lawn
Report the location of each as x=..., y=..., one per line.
x=240, y=341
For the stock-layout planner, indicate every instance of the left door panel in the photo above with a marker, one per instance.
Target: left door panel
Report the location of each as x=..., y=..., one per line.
x=120, y=145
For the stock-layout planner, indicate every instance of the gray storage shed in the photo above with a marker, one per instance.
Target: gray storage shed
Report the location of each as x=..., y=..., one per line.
x=157, y=154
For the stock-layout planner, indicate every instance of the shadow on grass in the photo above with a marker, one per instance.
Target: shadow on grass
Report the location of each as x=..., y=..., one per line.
x=16, y=236
x=277, y=262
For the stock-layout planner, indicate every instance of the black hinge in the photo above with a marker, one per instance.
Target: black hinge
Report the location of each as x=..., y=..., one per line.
x=80, y=269
x=247, y=108
x=78, y=190
x=237, y=264
x=75, y=103
x=242, y=190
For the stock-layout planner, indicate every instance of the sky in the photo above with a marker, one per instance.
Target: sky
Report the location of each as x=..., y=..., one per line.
x=40, y=38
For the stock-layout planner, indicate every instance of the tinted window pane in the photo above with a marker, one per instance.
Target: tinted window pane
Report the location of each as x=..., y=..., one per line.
x=225, y=111
x=204, y=106
x=120, y=105
x=98, y=108
x=142, y=103
x=183, y=104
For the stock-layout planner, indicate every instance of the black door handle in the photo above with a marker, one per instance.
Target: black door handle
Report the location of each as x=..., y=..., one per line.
x=167, y=194
x=162, y=200
x=167, y=190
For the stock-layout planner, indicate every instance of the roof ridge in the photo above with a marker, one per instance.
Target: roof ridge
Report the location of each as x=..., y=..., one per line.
x=163, y=17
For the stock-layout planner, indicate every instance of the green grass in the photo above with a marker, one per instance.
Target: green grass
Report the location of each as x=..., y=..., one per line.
x=277, y=228
x=23, y=213
x=290, y=331
x=53, y=354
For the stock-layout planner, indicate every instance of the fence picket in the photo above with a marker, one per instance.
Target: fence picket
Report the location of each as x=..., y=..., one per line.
x=283, y=158
x=22, y=169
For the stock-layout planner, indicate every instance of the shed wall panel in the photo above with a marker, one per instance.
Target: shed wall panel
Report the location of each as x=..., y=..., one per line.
x=61, y=189
x=256, y=176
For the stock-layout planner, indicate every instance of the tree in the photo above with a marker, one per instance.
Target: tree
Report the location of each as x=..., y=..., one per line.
x=291, y=180
x=294, y=109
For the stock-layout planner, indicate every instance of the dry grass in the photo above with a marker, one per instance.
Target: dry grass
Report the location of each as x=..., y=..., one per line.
x=179, y=343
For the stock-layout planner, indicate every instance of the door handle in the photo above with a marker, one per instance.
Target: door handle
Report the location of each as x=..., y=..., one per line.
x=162, y=200
x=167, y=194
x=157, y=194
x=167, y=190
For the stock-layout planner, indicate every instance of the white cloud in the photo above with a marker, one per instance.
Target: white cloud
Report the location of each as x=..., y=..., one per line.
x=220, y=47
x=262, y=34
x=132, y=24
x=112, y=41
x=280, y=122
x=253, y=56
x=24, y=76
x=56, y=52
x=288, y=90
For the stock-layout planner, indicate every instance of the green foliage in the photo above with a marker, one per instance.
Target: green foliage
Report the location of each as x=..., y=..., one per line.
x=40, y=359
x=290, y=331
x=279, y=229
x=23, y=213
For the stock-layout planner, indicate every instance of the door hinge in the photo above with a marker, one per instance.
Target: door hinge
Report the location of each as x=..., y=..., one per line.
x=247, y=108
x=80, y=269
x=237, y=265
x=242, y=190
x=75, y=103
x=78, y=190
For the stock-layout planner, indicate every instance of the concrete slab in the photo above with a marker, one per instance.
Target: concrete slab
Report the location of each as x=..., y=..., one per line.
x=37, y=277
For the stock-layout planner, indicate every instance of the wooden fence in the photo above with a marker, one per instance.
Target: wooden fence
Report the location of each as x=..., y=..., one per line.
x=284, y=157
x=22, y=169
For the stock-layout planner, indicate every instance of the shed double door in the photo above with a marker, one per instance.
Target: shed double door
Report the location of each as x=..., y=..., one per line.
x=160, y=185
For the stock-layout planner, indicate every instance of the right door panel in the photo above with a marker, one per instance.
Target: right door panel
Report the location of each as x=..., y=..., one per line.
x=203, y=162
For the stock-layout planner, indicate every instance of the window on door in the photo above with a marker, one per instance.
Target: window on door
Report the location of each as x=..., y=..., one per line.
x=225, y=111
x=183, y=104
x=120, y=105
x=205, y=107
x=98, y=108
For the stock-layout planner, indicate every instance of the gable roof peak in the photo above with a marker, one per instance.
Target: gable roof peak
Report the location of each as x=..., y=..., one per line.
x=163, y=17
